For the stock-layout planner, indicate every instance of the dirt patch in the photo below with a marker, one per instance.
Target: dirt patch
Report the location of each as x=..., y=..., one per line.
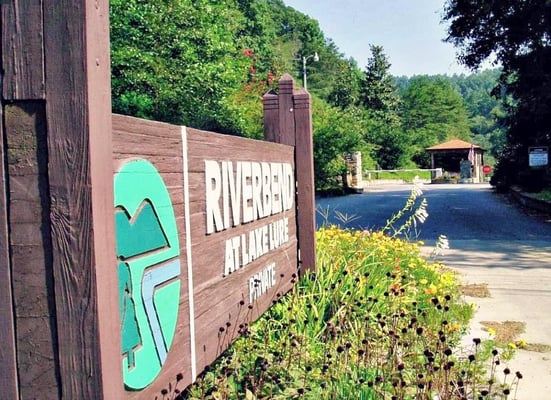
x=505, y=332
x=509, y=331
x=479, y=290
x=537, y=347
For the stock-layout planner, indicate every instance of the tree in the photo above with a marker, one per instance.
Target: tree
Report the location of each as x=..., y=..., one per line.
x=338, y=133
x=486, y=108
x=378, y=92
x=432, y=112
x=517, y=34
x=346, y=89
x=175, y=61
x=379, y=96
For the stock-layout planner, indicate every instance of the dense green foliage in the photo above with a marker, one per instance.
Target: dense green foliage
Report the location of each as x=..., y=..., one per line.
x=176, y=61
x=379, y=96
x=433, y=112
x=517, y=34
x=207, y=63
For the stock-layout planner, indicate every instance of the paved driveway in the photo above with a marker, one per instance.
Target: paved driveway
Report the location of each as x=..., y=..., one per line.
x=461, y=212
x=492, y=241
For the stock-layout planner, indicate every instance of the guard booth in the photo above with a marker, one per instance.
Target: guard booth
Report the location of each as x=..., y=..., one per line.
x=461, y=161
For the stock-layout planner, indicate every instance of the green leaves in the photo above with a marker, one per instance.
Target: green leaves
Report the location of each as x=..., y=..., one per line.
x=378, y=92
x=175, y=61
x=432, y=113
x=517, y=35
x=337, y=133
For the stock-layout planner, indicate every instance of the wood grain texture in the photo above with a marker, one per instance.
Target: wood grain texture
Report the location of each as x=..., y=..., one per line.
x=306, y=218
x=76, y=45
x=270, y=103
x=98, y=85
x=22, y=50
x=30, y=245
x=286, y=111
x=8, y=372
x=220, y=302
x=288, y=119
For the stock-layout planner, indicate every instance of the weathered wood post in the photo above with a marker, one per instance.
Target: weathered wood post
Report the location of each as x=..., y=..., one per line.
x=288, y=120
x=8, y=372
x=56, y=203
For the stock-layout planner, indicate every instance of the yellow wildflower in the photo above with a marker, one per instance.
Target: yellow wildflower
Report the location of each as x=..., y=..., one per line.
x=454, y=327
x=432, y=289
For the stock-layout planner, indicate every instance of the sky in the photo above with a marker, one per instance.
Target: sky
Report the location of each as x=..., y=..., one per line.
x=409, y=31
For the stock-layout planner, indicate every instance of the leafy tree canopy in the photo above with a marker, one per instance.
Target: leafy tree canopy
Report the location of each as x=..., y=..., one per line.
x=518, y=35
x=432, y=113
x=175, y=61
x=379, y=96
x=378, y=91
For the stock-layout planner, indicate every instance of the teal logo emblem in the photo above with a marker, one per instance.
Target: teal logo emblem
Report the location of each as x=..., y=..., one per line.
x=148, y=267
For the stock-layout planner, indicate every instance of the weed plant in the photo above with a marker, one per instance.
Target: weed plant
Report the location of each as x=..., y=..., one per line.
x=376, y=320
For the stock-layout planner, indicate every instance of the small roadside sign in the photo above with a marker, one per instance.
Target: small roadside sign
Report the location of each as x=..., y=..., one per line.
x=487, y=169
x=538, y=156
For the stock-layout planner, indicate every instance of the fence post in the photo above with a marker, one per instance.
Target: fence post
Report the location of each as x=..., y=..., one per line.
x=288, y=120
x=286, y=111
x=304, y=156
x=56, y=100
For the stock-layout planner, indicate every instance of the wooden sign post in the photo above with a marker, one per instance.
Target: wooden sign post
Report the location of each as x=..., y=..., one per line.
x=288, y=120
x=56, y=214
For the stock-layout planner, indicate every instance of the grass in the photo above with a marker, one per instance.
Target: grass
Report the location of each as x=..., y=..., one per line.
x=544, y=195
x=406, y=176
x=376, y=321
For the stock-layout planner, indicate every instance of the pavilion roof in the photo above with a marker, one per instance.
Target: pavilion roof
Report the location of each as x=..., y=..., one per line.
x=455, y=144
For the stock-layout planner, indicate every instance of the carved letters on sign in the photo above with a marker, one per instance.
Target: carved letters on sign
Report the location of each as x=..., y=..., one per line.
x=242, y=192
x=245, y=248
x=256, y=190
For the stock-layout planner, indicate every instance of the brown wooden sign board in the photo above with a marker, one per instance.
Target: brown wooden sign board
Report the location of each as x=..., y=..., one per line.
x=233, y=202
x=189, y=269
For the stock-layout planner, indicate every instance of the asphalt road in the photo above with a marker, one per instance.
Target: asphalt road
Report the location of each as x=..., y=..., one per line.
x=492, y=242
x=461, y=212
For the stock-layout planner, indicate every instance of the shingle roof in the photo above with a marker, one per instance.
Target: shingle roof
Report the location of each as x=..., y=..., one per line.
x=455, y=144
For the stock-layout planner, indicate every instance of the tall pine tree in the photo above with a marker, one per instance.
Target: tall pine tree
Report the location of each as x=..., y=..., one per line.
x=378, y=91
x=379, y=96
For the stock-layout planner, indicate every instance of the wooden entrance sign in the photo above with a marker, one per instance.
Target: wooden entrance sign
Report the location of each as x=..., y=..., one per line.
x=191, y=234
x=215, y=217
